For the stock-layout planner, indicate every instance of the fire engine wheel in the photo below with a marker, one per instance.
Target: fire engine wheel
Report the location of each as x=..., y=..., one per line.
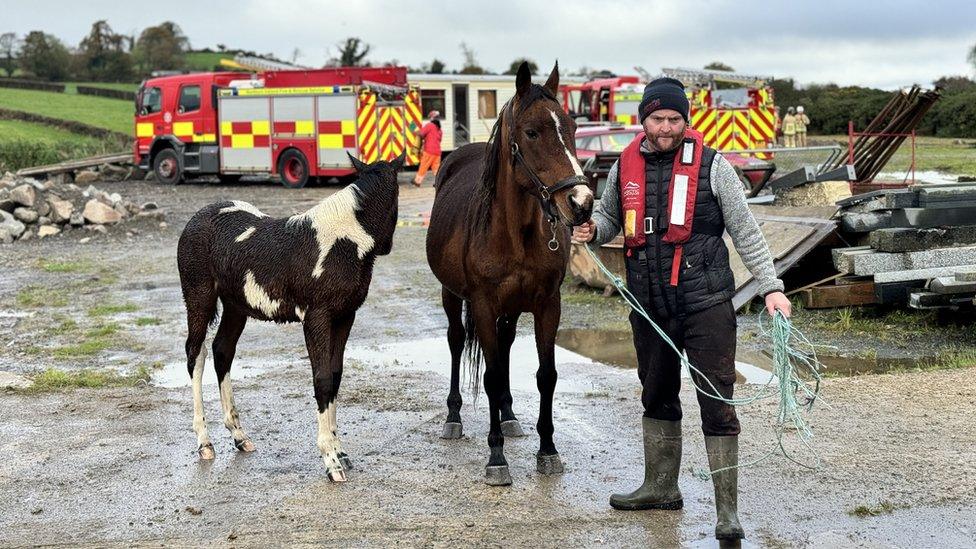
x=166, y=167
x=293, y=169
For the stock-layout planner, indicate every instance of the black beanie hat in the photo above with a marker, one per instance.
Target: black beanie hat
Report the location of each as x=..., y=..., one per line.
x=663, y=93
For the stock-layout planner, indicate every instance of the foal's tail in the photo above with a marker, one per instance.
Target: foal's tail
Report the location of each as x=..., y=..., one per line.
x=472, y=351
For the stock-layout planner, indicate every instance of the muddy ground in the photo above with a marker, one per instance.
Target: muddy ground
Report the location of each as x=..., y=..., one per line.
x=117, y=466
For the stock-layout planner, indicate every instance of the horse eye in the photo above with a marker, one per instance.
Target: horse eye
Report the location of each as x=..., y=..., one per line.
x=532, y=134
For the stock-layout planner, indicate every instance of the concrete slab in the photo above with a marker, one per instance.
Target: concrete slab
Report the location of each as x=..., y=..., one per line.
x=919, y=274
x=911, y=240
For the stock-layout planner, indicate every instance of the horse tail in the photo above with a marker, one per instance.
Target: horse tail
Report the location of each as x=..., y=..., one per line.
x=472, y=350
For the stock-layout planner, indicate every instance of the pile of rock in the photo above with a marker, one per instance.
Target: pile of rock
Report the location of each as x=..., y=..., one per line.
x=31, y=208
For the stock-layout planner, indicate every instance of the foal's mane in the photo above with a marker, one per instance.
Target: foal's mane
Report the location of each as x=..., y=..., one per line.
x=493, y=152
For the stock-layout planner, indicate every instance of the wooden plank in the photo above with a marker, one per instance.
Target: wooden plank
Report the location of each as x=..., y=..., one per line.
x=848, y=295
x=72, y=165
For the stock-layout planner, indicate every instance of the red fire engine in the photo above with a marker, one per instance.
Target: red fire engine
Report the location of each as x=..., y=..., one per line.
x=733, y=111
x=295, y=124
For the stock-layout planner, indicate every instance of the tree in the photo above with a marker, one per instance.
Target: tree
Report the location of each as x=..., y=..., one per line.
x=972, y=56
x=161, y=48
x=953, y=84
x=9, y=44
x=718, y=66
x=352, y=53
x=103, y=55
x=44, y=56
x=437, y=67
x=514, y=67
x=470, y=62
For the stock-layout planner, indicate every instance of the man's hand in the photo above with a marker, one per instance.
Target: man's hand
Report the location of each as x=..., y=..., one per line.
x=777, y=300
x=585, y=232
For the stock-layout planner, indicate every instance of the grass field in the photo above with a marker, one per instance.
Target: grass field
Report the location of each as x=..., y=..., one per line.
x=111, y=114
x=942, y=154
x=203, y=61
x=15, y=130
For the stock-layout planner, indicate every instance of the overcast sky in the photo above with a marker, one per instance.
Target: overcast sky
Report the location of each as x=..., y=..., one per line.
x=881, y=44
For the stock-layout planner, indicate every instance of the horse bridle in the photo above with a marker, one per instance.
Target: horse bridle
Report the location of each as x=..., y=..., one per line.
x=544, y=193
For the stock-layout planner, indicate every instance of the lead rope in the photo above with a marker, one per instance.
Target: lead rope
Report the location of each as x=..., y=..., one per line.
x=793, y=356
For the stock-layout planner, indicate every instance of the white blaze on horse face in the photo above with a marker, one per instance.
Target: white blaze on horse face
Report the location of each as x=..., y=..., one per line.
x=581, y=194
x=199, y=423
x=259, y=299
x=328, y=443
x=245, y=235
x=335, y=218
x=572, y=159
x=241, y=206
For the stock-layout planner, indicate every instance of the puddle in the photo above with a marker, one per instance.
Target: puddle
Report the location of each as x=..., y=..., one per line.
x=174, y=374
x=927, y=176
x=616, y=348
x=433, y=355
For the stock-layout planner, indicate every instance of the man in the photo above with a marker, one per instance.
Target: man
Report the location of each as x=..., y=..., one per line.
x=801, y=127
x=789, y=128
x=678, y=267
x=430, y=157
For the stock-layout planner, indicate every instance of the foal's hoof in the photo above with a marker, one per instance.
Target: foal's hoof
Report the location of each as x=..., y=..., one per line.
x=512, y=428
x=337, y=475
x=497, y=475
x=549, y=464
x=451, y=430
x=206, y=452
x=245, y=445
x=345, y=461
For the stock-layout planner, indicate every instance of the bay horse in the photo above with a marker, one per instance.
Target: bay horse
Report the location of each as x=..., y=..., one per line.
x=314, y=268
x=498, y=241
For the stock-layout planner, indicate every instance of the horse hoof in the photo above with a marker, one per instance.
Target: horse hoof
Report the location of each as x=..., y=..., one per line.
x=245, y=445
x=451, y=430
x=345, y=461
x=512, y=428
x=206, y=452
x=337, y=475
x=548, y=464
x=497, y=475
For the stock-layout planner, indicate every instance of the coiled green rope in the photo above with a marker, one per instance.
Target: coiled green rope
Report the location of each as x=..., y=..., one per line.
x=794, y=358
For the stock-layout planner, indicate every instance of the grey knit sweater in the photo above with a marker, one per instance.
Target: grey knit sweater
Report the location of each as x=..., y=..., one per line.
x=739, y=222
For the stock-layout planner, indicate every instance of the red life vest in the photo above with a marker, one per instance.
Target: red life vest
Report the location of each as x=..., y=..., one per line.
x=682, y=192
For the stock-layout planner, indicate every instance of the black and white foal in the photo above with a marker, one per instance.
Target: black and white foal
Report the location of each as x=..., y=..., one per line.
x=314, y=268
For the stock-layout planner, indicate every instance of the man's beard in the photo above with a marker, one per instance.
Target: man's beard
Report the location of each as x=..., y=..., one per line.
x=667, y=143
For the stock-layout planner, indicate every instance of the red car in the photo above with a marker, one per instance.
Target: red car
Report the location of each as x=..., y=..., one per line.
x=603, y=139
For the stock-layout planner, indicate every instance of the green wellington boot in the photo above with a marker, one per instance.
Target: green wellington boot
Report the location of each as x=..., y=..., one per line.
x=662, y=458
x=724, y=452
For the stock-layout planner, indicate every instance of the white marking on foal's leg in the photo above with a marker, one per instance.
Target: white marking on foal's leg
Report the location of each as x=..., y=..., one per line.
x=231, y=419
x=328, y=443
x=204, y=447
x=245, y=235
x=258, y=298
x=300, y=314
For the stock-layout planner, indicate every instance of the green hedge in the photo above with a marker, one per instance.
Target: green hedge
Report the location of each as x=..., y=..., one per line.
x=21, y=153
x=830, y=107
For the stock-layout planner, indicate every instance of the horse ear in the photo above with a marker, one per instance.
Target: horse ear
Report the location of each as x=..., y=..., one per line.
x=398, y=161
x=523, y=79
x=360, y=166
x=552, y=84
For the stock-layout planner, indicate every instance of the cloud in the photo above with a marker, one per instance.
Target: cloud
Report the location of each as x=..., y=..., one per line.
x=883, y=44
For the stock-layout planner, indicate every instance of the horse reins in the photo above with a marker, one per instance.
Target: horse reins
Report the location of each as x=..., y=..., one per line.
x=544, y=193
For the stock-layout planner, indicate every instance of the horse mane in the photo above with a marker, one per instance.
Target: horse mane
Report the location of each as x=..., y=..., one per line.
x=493, y=150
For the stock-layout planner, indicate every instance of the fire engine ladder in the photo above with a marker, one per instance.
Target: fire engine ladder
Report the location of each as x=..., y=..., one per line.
x=704, y=77
x=249, y=62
